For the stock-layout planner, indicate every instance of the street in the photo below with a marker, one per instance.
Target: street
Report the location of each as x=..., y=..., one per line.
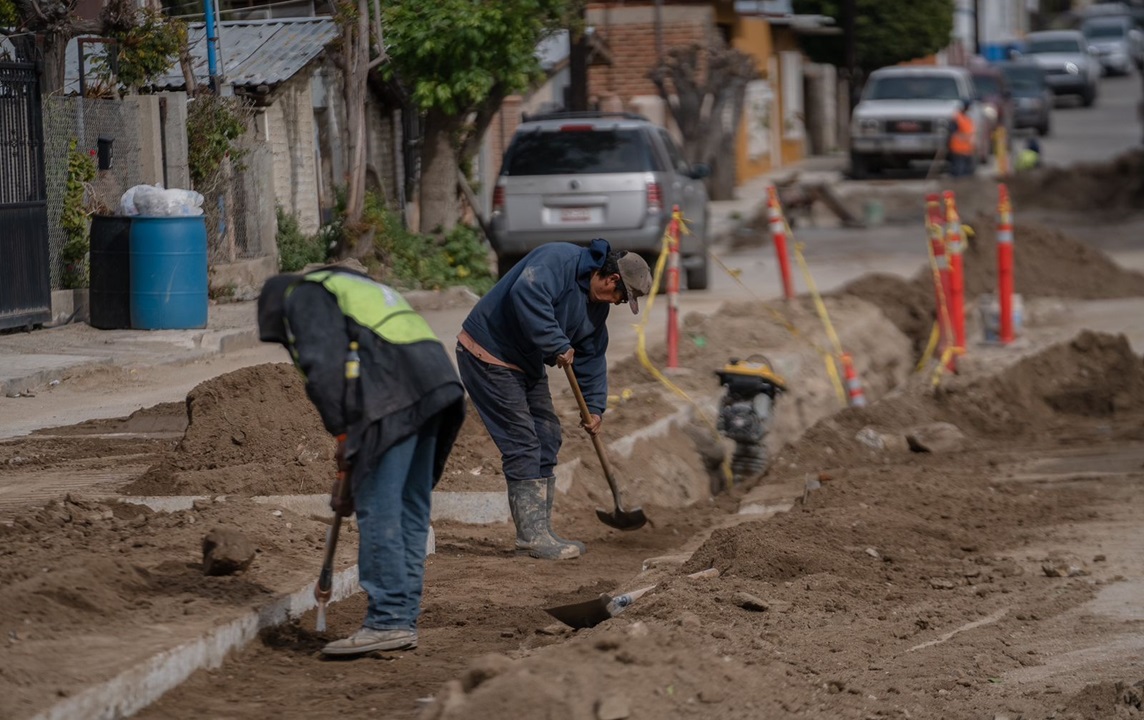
x=954, y=545
x=1097, y=133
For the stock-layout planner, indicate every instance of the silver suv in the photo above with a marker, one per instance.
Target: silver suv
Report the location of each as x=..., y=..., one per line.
x=577, y=176
x=1070, y=68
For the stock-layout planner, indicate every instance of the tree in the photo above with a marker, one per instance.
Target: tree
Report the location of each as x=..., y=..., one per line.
x=361, y=50
x=55, y=22
x=888, y=32
x=707, y=106
x=459, y=60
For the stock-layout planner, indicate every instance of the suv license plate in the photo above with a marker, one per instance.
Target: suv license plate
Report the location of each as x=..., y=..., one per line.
x=574, y=215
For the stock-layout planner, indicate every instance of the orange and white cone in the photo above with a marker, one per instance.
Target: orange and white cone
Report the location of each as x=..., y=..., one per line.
x=853, y=382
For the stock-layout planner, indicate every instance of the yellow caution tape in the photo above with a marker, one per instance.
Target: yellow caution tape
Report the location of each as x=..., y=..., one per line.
x=641, y=350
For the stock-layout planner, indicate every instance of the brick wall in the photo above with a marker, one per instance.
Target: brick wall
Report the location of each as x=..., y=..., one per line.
x=629, y=33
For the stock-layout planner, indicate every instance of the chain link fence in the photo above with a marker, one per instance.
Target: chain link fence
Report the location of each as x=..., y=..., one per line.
x=87, y=121
x=239, y=207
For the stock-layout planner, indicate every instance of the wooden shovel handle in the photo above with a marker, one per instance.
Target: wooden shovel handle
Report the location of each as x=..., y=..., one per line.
x=586, y=417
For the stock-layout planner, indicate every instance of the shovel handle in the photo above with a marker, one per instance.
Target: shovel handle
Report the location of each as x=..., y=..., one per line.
x=586, y=417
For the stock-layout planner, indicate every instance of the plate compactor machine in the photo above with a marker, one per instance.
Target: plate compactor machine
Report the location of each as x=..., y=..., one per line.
x=751, y=387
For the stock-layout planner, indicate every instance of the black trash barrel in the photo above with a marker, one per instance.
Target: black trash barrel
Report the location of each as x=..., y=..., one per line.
x=109, y=295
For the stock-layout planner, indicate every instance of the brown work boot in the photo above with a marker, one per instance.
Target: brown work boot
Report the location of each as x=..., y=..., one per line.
x=549, y=498
x=367, y=640
x=527, y=502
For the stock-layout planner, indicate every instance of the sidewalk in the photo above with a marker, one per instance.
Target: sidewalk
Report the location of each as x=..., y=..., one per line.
x=29, y=361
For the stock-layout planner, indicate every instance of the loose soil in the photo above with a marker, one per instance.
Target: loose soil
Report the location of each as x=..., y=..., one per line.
x=1001, y=579
x=1047, y=263
x=907, y=585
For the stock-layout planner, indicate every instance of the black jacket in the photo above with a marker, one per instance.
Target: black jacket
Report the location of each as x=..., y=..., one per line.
x=401, y=387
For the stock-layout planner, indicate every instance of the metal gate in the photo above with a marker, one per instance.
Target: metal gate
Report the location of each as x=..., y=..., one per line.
x=25, y=279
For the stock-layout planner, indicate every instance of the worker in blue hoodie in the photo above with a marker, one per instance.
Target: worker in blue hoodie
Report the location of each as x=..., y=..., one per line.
x=550, y=309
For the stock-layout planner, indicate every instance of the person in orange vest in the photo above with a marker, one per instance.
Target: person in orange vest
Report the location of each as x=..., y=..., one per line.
x=962, y=142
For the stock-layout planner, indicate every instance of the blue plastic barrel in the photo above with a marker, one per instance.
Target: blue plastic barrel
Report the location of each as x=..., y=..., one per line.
x=168, y=273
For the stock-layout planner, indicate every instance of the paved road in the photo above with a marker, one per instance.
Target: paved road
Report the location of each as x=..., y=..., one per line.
x=1093, y=134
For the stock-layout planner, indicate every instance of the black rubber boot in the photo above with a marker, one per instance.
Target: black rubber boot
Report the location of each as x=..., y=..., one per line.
x=550, y=497
x=527, y=502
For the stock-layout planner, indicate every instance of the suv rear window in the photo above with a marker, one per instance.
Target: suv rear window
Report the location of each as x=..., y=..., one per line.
x=577, y=151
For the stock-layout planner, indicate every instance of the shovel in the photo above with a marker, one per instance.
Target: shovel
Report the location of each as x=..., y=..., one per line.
x=618, y=518
x=591, y=613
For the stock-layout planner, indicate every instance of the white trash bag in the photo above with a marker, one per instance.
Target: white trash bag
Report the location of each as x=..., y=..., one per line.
x=157, y=201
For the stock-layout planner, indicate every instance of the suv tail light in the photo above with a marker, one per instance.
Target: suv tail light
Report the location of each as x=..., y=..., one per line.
x=498, y=199
x=576, y=128
x=654, y=198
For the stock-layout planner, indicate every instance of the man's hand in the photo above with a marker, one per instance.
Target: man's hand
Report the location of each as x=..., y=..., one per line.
x=564, y=359
x=593, y=424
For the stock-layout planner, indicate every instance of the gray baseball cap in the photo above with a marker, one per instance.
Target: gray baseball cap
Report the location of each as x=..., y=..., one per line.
x=636, y=276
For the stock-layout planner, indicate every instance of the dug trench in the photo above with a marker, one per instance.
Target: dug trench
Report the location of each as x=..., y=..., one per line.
x=947, y=583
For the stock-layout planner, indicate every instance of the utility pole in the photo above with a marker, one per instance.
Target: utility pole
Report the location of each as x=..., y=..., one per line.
x=850, y=21
x=658, y=32
x=578, y=64
x=976, y=27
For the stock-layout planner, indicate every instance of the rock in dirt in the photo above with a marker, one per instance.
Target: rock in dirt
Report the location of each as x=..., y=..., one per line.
x=226, y=551
x=939, y=437
x=483, y=669
x=747, y=601
x=1064, y=566
x=613, y=707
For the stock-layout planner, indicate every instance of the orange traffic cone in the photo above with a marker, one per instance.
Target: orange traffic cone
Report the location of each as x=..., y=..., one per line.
x=853, y=382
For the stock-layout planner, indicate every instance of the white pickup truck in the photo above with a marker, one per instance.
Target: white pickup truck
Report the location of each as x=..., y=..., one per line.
x=905, y=115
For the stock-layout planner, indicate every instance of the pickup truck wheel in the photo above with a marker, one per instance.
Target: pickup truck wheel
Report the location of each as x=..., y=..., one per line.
x=861, y=167
x=699, y=276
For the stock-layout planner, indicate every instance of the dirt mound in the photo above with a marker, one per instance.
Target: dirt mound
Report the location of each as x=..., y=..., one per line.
x=651, y=670
x=909, y=305
x=1095, y=375
x=252, y=431
x=1047, y=263
x=1114, y=185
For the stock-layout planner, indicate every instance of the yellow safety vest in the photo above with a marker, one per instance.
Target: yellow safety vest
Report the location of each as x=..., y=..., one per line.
x=374, y=306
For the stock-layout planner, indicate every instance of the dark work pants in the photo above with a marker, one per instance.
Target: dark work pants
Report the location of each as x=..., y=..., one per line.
x=518, y=415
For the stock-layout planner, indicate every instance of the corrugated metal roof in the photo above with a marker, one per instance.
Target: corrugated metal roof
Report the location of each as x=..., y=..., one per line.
x=251, y=52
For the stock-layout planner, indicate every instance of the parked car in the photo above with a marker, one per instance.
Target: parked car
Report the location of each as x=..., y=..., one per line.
x=905, y=115
x=577, y=176
x=1032, y=99
x=992, y=90
x=1116, y=43
x=1070, y=69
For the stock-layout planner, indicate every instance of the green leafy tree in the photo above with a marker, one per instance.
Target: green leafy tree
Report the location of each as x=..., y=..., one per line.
x=459, y=60
x=888, y=32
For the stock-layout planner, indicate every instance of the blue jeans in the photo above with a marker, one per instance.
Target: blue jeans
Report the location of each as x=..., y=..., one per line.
x=960, y=165
x=518, y=415
x=393, y=504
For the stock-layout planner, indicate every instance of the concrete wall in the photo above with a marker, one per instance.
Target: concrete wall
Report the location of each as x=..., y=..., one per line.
x=287, y=126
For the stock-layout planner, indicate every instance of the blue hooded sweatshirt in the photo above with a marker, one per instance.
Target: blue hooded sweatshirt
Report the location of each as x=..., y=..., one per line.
x=540, y=309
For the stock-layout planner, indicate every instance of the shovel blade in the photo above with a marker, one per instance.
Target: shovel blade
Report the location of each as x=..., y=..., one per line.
x=586, y=614
x=633, y=519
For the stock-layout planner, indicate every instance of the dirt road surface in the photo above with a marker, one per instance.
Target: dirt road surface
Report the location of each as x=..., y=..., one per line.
x=970, y=550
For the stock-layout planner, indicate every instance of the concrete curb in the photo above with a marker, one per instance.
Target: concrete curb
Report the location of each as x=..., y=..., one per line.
x=472, y=508
x=143, y=684
x=205, y=344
